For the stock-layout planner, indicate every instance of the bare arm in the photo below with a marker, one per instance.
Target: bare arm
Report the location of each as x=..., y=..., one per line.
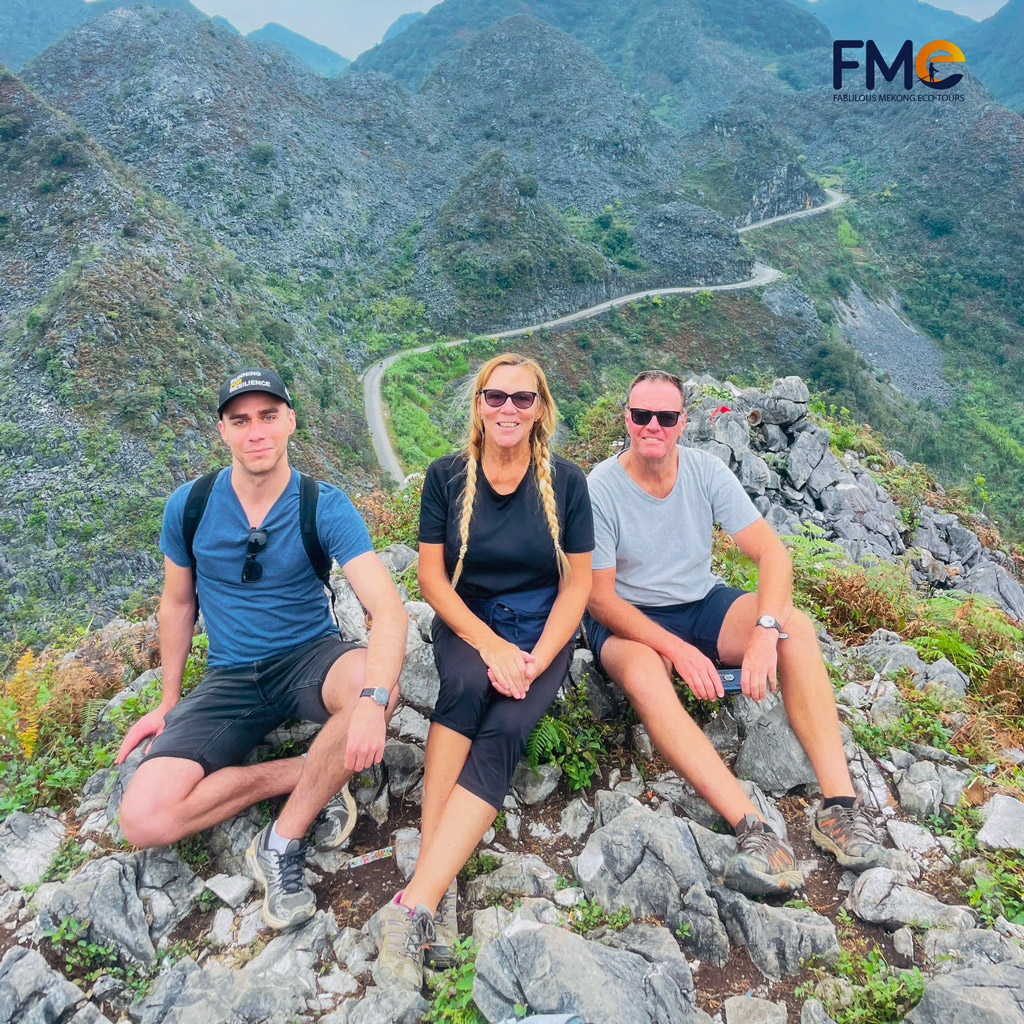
x=507, y=664
x=774, y=597
x=177, y=621
x=627, y=622
x=373, y=585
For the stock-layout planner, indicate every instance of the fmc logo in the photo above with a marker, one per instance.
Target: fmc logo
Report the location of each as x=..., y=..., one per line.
x=937, y=51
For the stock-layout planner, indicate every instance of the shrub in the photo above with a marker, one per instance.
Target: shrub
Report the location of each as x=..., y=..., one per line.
x=262, y=153
x=11, y=126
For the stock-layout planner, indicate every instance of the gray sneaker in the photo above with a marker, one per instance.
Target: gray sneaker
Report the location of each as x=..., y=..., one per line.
x=764, y=863
x=335, y=822
x=401, y=936
x=287, y=900
x=441, y=953
x=848, y=833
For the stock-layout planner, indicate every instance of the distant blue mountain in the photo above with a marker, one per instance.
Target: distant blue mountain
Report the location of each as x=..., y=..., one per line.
x=323, y=60
x=888, y=22
x=401, y=24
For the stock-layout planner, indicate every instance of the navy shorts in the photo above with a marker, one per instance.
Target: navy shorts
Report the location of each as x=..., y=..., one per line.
x=234, y=707
x=697, y=622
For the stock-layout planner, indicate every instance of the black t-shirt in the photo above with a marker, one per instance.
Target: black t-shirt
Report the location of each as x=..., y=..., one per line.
x=510, y=547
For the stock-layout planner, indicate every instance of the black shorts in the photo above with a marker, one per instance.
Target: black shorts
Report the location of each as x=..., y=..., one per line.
x=697, y=622
x=233, y=708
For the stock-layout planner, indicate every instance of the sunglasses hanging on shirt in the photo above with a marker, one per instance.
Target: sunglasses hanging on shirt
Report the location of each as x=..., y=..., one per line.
x=252, y=571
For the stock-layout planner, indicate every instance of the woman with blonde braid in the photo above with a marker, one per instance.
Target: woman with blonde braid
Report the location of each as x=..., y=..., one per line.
x=505, y=538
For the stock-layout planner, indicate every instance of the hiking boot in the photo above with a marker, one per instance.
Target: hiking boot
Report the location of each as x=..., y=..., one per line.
x=287, y=900
x=401, y=936
x=335, y=822
x=848, y=833
x=763, y=863
x=441, y=953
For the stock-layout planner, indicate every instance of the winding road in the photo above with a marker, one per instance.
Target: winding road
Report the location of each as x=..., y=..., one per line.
x=372, y=377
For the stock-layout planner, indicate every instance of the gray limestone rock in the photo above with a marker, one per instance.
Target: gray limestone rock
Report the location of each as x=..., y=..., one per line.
x=103, y=729
x=770, y=754
x=410, y=725
x=777, y=938
x=723, y=732
x=404, y=762
x=232, y=889
x=397, y=558
x=348, y=612
x=754, y=474
x=531, y=788
x=419, y=680
x=791, y=389
x=555, y=971
x=812, y=1012
x=519, y=874
x=294, y=954
x=992, y=580
x=826, y=473
x=953, y=783
x=218, y=993
x=608, y=804
x=228, y=841
x=650, y=863
x=804, y=455
x=1004, y=824
x=423, y=616
x=920, y=789
x=406, y=842
x=168, y=888
x=879, y=897
x=944, y=673
x=488, y=922
x=751, y=1010
x=913, y=838
x=31, y=991
x=104, y=893
x=978, y=995
x=391, y=1005
x=577, y=817
x=154, y=1005
x=28, y=843
x=952, y=949
x=732, y=429
x=903, y=942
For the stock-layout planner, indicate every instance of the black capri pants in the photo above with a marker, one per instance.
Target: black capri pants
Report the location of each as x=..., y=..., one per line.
x=499, y=726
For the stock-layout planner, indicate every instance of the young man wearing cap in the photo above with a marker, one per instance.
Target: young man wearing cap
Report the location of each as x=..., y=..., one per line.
x=274, y=653
x=655, y=606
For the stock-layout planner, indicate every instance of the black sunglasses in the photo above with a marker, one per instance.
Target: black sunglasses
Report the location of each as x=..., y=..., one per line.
x=496, y=398
x=666, y=417
x=252, y=571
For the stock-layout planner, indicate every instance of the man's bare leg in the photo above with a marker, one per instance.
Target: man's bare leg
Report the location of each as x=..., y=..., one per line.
x=806, y=689
x=644, y=676
x=169, y=797
x=324, y=772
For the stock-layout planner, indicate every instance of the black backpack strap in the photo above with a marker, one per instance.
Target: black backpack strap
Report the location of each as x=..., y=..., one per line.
x=309, y=495
x=195, y=506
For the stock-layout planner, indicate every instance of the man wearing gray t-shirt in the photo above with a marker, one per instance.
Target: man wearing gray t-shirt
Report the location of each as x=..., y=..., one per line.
x=656, y=606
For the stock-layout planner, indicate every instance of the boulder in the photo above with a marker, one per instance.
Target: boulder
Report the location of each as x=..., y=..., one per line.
x=992, y=580
x=555, y=971
x=404, y=762
x=1004, y=824
x=945, y=674
x=168, y=888
x=232, y=889
x=992, y=994
x=519, y=874
x=920, y=789
x=423, y=616
x=778, y=939
x=406, y=843
x=804, y=455
x=31, y=990
x=953, y=949
x=532, y=787
x=294, y=954
x=28, y=843
x=391, y=1005
x=770, y=755
x=751, y=1010
x=419, y=680
x=649, y=863
x=879, y=897
x=577, y=817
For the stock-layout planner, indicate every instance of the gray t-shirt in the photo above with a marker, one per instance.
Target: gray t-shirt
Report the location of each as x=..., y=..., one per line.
x=660, y=548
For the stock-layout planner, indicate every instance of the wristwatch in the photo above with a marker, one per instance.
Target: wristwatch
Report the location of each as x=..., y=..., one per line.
x=770, y=622
x=378, y=694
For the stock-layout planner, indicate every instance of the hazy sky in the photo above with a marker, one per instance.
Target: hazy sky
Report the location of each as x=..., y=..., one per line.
x=350, y=26
x=347, y=26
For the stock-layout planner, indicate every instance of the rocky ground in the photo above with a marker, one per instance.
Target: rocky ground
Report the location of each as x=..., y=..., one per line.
x=606, y=899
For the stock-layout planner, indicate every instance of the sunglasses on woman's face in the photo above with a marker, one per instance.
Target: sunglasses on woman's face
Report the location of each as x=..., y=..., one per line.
x=666, y=417
x=496, y=398
x=252, y=571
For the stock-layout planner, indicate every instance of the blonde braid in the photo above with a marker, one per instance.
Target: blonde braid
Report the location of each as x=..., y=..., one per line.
x=542, y=467
x=468, y=498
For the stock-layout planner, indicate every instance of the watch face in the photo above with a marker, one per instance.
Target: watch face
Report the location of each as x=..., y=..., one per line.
x=380, y=695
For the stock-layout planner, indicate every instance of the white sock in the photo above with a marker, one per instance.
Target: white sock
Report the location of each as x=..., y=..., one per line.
x=277, y=842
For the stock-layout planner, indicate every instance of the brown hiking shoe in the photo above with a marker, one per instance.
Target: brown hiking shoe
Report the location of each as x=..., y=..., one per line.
x=763, y=862
x=401, y=936
x=848, y=833
x=441, y=953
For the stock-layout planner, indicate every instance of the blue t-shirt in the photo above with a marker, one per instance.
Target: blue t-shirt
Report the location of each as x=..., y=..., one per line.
x=288, y=606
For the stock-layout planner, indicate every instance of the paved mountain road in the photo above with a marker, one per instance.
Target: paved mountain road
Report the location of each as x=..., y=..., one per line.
x=372, y=378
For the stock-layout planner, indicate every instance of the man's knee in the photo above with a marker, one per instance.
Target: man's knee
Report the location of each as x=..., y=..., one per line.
x=149, y=813
x=638, y=670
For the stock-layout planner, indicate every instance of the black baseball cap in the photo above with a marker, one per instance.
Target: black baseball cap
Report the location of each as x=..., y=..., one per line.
x=252, y=380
